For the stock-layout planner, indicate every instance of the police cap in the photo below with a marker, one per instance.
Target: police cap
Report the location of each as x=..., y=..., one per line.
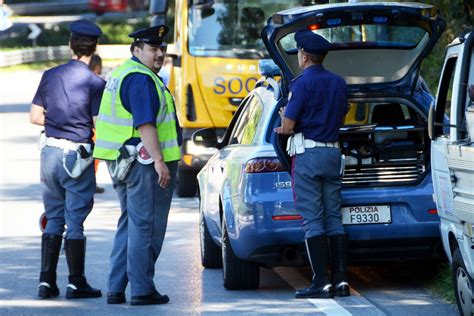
x=85, y=28
x=153, y=35
x=310, y=42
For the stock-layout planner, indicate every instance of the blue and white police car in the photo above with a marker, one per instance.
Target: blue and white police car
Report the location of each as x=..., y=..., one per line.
x=247, y=214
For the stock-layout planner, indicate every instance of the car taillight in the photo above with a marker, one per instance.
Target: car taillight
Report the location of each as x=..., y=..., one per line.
x=433, y=211
x=263, y=165
x=287, y=217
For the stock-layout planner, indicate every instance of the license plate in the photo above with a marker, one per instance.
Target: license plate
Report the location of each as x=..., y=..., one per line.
x=366, y=214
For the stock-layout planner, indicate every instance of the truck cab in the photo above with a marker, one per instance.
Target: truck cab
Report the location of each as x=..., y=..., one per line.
x=215, y=51
x=451, y=129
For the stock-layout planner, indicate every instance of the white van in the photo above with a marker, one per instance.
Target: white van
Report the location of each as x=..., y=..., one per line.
x=451, y=128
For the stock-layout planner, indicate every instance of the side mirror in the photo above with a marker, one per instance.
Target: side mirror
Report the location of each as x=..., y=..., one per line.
x=206, y=137
x=431, y=119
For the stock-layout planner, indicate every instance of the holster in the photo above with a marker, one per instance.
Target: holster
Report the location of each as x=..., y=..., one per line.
x=295, y=144
x=121, y=167
x=83, y=160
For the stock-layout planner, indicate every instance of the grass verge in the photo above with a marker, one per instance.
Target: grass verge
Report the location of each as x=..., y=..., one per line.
x=31, y=66
x=442, y=284
x=111, y=63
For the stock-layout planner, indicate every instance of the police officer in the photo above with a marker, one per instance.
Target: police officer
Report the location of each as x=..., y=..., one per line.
x=316, y=108
x=67, y=98
x=137, y=118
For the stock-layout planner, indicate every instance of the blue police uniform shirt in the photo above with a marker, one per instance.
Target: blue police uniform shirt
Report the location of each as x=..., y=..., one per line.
x=70, y=95
x=318, y=103
x=140, y=98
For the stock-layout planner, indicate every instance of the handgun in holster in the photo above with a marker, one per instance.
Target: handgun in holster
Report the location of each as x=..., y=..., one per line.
x=83, y=160
x=123, y=164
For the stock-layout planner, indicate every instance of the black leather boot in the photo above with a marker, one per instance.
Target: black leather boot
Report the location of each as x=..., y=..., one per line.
x=317, y=248
x=338, y=246
x=50, y=248
x=76, y=256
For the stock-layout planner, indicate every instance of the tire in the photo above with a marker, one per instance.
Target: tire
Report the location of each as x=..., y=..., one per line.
x=187, y=183
x=462, y=285
x=211, y=254
x=238, y=274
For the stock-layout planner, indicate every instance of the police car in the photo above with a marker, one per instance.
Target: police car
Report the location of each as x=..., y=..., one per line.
x=247, y=214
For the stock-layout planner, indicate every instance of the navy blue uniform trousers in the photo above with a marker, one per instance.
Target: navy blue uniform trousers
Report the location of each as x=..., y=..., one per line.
x=141, y=228
x=66, y=201
x=317, y=190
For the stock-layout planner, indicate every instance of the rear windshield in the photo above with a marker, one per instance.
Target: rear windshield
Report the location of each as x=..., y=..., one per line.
x=365, y=36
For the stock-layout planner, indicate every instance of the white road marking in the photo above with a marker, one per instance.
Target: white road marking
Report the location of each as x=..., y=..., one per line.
x=328, y=306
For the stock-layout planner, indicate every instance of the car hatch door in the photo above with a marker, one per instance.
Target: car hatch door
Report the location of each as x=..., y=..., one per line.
x=372, y=44
x=279, y=141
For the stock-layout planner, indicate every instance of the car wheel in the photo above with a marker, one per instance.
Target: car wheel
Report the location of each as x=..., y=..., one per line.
x=187, y=183
x=211, y=254
x=238, y=274
x=462, y=285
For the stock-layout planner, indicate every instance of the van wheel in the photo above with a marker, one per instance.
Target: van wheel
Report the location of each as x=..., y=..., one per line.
x=462, y=285
x=187, y=183
x=238, y=274
x=211, y=254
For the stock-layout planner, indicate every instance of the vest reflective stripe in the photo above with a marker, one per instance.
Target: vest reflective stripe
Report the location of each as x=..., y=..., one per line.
x=115, y=120
x=169, y=143
x=106, y=144
x=129, y=122
x=115, y=123
x=112, y=145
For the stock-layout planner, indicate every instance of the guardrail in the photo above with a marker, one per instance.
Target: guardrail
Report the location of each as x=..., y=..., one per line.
x=33, y=8
x=38, y=54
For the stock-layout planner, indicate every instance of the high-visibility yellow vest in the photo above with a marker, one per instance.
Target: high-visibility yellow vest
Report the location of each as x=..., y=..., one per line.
x=115, y=124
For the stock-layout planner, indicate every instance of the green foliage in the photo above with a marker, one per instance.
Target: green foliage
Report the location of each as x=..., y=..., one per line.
x=442, y=284
x=32, y=66
x=56, y=35
x=115, y=32
x=458, y=14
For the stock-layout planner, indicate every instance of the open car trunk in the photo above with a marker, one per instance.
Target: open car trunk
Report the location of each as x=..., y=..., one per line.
x=377, y=47
x=384, y=143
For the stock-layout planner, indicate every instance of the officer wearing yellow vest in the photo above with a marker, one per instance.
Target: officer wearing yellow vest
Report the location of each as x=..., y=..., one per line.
x=138, y=136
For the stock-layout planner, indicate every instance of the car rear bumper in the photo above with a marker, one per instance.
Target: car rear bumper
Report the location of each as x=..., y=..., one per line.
x=277, y=240
x=368, y=251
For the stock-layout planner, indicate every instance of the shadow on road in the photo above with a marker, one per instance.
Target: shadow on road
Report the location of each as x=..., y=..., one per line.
x=15, y=108
x=20, y=192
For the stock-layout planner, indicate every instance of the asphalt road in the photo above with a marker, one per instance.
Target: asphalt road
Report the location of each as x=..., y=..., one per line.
x=395, y=289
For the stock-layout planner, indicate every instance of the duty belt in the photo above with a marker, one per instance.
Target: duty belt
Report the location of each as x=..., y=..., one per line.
x=66, y=144
x=309, y=143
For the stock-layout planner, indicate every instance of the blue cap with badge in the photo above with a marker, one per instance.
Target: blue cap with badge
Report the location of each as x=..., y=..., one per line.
x=85, y=28
x=310, y=42
x=153, y=35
